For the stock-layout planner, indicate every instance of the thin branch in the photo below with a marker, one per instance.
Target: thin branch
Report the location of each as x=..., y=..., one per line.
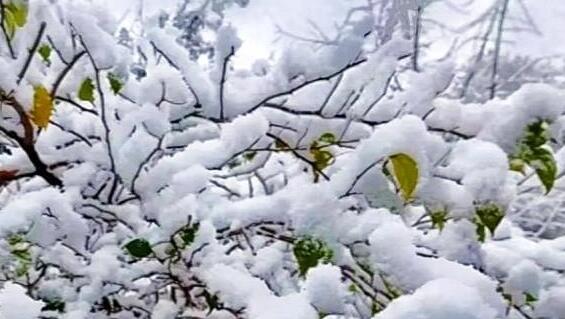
x=223, y=81
x=498, y=44
x=103, y=117
x=4, y=31
x=174, y=65
x=331, y=93
x=75, y=104
x=32, y=52
x=307, y=83
x=77, y=135
x=478, y=58
x=358, y=178
x=64, y=73
x=416, y=40
x=297, y=154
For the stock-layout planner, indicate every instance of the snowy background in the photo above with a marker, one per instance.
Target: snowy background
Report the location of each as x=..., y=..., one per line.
x=256, y=24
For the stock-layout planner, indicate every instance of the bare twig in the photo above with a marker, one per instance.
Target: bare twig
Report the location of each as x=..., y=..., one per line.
x=223, y=81
x=4, y=31
x=416, y=40
x=31, y=52
x=498, y=44
x=64, y=73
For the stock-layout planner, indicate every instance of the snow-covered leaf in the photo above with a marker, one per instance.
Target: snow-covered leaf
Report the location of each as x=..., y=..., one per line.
x=406, y=174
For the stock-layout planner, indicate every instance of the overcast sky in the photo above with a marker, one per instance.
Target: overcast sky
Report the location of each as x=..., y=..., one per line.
x=256, y=23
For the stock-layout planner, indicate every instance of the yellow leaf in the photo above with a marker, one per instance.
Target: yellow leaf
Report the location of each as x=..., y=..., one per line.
x=9, y=24
x=406, y=174
x=20, y=13
x=42, y=107
x=15, y=16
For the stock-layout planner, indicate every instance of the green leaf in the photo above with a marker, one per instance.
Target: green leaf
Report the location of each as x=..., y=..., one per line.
x=489, y=216
x=537, y=134
x=9, y=23
x=481, y=232
x=86, y=90
x=508, y=298
x=20, y=250
x=281, y=145
x=45, y=52
x=188, y=234
x=309, y=252
x=406, y=174
x=328, y=138
x=517, y=165
x=54, y=305
x=531, y=151
x=545, y=166
x=439, y=219
x=15, y=16
x=115, y=83
x=212, y=300
x=322, y=158
x=375, y=308
x=530, y=299
x=249, y=156
x=139, y=248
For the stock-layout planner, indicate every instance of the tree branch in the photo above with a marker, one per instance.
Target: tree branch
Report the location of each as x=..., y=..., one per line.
x=498, y=44
x=31, y=52
x=223, y=81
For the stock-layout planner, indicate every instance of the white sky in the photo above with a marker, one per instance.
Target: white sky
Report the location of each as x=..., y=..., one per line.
x=256, y=23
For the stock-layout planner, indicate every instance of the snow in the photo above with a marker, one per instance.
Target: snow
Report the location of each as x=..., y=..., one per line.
x=325, y=290
x=482, y=169
x=237, y=288
x=524, y=277
x=441, y=298
x=550, y=303
x=164, y=310
x=397, y=136
x=293, y=306
x=417, y=271
x=14, y=303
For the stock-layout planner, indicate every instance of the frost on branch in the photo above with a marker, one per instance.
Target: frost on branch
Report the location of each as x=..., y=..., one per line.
x=346, y=179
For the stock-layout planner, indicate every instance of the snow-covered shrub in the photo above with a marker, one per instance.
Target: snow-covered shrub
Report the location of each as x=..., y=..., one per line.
x=339, y=183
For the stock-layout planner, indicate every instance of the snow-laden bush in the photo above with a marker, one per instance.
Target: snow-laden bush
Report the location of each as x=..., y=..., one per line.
x=331, y=183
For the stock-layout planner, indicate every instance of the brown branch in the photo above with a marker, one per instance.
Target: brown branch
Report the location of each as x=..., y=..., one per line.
x=26, y=143
x=33, y=156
